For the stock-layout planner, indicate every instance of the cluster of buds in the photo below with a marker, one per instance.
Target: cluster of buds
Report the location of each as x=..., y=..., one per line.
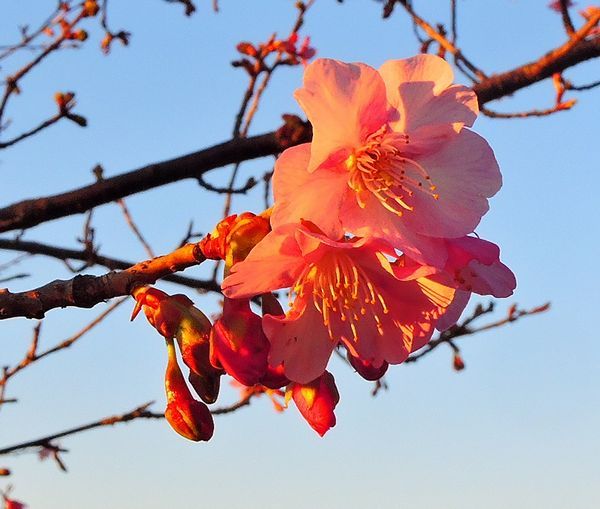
x=177, y=320
x=288, y=52
x=90, y=8
x=110, y=37
x=235, y=344
x=66, y=102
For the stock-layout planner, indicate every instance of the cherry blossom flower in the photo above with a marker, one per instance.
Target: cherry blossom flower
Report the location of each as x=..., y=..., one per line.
x=341, y=290
x=391, y=156
x=472, y=266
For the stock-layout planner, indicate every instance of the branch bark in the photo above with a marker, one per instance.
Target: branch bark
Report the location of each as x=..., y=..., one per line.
x=93, y=258
x=86, y=291
x=32, y=212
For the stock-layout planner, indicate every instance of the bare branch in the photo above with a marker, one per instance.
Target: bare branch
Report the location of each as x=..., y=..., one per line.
x=528, y=114
x=86, y=291
x=464, y=329
x=29, y=213
x=141, y=412
x=93, y=258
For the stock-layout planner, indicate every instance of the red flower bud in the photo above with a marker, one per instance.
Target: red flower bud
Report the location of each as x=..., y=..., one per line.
x=316, y=402
x=247, y=49
x=457, y=363
x=207, y=384
x=9, y=503
x=90, y=8
x=176, y=316
x=238, y=342
x=188, y=417
x=274, y=378
x=234, y=237
x=367, y=370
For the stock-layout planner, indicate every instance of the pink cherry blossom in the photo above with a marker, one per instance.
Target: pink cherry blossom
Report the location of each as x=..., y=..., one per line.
x=473, y=266
x=391, y=156
x=342, y=290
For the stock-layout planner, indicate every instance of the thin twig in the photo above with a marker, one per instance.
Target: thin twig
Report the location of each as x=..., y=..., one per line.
x=566, y=17
x=528, y=114
x=463, y=329
x=442, y=41
x=141, y=412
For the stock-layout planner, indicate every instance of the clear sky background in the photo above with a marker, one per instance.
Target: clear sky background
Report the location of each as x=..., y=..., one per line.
x=518, y=428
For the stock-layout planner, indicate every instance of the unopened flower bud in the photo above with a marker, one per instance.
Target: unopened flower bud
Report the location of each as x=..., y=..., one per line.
x=90, y=7
x=366, y=369
x=457, y=363
x=238, y=342
x=316, y=401
x=79, y=35
x=247, y=49
x=188, y=417
x=234, y=237
x=10, y=503
x=274, y=378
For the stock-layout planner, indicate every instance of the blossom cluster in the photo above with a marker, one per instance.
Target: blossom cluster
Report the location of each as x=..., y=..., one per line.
x=372, y=233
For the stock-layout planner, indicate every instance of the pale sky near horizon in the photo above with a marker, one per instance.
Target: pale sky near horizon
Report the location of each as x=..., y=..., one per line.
x=518, y=428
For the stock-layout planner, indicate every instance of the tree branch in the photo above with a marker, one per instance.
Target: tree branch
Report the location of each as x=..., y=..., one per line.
x=141, y=412
x=573, y=52
x=31, y=212
x=93, y=258
x=86, y=291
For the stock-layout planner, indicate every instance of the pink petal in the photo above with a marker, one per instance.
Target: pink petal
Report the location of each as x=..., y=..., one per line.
x=413, y=309
x=454, y=310
x=477, y=267
x=300, y=341
x=496, y=279
x=465, y=173
x=419, y=88
x=301, y=195
x=274, y=263
x=344, y=103
x=374, y=220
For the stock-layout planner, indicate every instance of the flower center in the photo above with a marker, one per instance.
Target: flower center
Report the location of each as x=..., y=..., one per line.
x=380, y=168
x=340, y=287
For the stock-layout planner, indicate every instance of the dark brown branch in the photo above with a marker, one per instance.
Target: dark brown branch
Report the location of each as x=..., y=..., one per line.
x=46, y=123
x=141, y=412
x=93, y=258
x=566, y=17
x=581, y=88
x=85, y=291
x=29, y=213
x=573, y=52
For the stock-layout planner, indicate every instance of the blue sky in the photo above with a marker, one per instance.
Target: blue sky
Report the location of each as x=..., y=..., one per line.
x=517, y=428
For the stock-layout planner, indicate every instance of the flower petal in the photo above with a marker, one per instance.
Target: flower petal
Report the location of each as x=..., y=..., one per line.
x=344, y=103
x=300, y=341
x=419, y=88
x=301, y=195
x=454, y=310
x=476, y=263
x=465, y=173
x=274, y=263
x=375, y=221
